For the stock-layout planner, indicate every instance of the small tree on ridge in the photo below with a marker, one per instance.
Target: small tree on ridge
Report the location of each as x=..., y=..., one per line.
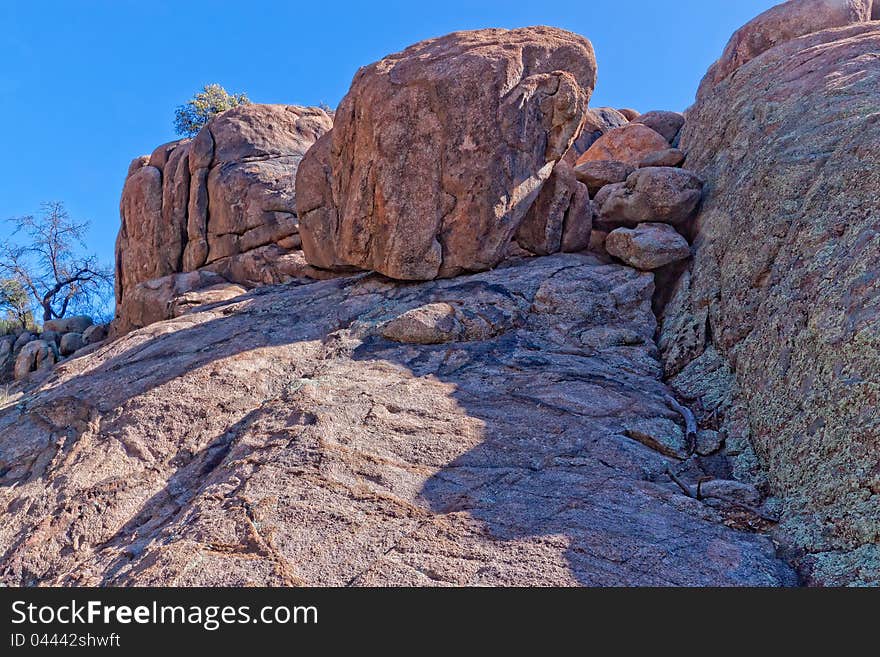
x=201, y=108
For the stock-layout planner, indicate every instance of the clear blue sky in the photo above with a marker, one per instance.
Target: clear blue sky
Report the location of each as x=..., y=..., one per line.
x=85, y=86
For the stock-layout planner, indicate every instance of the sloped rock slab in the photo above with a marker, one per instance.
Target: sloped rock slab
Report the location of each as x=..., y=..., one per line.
x=280, y=439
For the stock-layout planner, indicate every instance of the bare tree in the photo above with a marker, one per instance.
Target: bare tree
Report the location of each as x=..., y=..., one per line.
x=50, y=266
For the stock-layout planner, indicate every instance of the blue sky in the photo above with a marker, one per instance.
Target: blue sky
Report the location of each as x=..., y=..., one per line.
x=85, y=86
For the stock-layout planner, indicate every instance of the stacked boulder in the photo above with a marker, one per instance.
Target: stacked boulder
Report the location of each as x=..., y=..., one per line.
x=217, y=211
x=643, y=200
x=443, y=159
x=25, y=352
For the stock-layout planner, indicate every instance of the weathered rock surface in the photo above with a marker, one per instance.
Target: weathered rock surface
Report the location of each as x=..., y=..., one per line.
x=561, y=217
x=34, y=355
x=655, y=194
x=438, y=152
x=64, y=325
x=598, y=173
x=779, y=24
x=71, y=343
x=629, y=143
x=784, y=289
x=647, y=246
x=361, y=432
x=213, y=201
x=663, y=122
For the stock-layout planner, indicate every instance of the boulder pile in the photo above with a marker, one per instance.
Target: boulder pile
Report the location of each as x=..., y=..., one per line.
x=643, y=201
x=25, y=352
x=220, y=206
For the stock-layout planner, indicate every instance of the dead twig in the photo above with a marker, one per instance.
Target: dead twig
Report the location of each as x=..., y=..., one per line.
x=684, y=487
x=700, y=482
x=690, y=423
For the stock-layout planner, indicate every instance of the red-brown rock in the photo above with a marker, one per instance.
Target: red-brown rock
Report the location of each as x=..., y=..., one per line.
x=647, y=246
x=438, y=152
x=655, y=194
x=629, y=143
x=598, y=173
x=477, y=431
x=779, y=24
x=665, y=123
x=597, y=122
x=671, y=157
x=201, y=202
x=561, y=218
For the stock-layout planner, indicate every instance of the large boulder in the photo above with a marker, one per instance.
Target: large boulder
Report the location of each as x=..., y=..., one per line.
x=64, y=325
x=70, y=343
x=597, y=122
x=656, y=194
x=784, y=290
x=596, y=174
x=23, y=338
x=248, y=167
x=35, y=355
x=213, y=200
x=561, y=218
x=629, y=143
x=779, y=24
x=438, y=152
x=647, y=246
x=663, y=122
x=95, y=333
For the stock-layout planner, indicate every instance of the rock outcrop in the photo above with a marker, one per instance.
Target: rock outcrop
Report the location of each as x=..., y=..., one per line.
x=223, y=202
x=528, y=425
x=503, y=428
x=776, y=326
x=438, y=152
x=782, y=23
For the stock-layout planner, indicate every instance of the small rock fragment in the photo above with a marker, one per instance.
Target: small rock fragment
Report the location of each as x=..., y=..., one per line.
x=708, y=442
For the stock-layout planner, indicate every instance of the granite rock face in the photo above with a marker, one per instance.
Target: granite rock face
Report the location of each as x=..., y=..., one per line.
x=480, y=430
x=438, y=152
x=784, y=22
x=785, y=285
x=212, y=202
